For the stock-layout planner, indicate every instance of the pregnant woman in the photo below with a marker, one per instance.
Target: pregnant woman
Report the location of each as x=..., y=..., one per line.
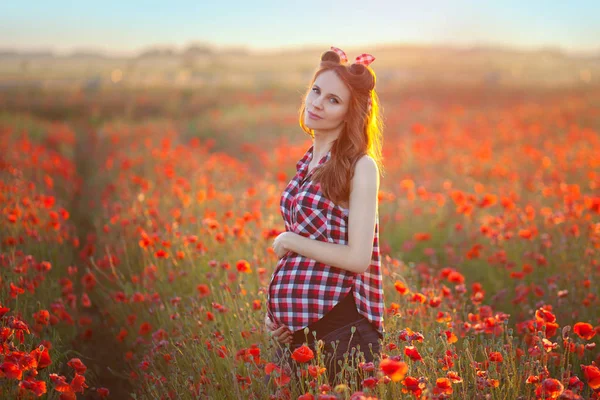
x=328, y=277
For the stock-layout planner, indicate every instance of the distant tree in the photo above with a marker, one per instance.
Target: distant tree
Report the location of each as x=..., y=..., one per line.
x=157, y=52
x=235, y=51
x=195, y=50
x=86, y=54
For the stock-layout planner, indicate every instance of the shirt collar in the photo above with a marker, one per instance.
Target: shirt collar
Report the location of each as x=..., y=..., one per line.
x=309, y=157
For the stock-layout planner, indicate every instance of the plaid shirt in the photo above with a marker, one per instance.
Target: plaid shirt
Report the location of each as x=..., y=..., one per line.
x=302, y=290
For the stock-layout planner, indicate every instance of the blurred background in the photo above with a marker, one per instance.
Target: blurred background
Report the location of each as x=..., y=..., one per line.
x=186, y=60
x=268, y=44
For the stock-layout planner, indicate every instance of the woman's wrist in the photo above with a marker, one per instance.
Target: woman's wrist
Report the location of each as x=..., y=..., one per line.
x=288, y=241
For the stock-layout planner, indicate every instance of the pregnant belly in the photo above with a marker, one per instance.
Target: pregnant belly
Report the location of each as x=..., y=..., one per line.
x=300, y=279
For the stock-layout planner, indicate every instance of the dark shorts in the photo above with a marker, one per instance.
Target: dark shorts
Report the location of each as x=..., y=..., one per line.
x=337, y=349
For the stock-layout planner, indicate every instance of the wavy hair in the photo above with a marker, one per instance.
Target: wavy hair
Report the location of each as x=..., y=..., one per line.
x=362, y=133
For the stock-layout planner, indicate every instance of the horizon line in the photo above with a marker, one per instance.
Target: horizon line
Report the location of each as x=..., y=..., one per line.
x=298, y=47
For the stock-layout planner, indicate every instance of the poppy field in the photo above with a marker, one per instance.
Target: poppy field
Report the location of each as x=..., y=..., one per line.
x=135, y=250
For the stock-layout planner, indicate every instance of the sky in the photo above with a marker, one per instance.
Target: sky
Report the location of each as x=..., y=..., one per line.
x=127, y=27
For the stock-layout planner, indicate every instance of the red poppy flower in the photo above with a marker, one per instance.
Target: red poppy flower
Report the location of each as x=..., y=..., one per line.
x=454, y=377
x=42, y=357
x=551, y=328
x=161, y=254
x=78, y=383
x=42, y=317
x=450, y=336
x=413, y=353
x=11, y=371
x=203, y=289
x=370, y=382
x=408, y=335
x=496, y=357
x=549, y=389
x=315, y=371
x=418, y=298
x=393, y=369
x=280, y=378
x=15, y=290
x=545, y=315
x=400, y=287
x=37, y=387
x=89, y=281
x=584, y=330
x=413, y=385
x=443, y=385
x=77, y=365
x=421, y=236
x=592, y=376
x=243, y=266
x=488, y=200
x=456, y=277
x=145, y=328
x=303, y=354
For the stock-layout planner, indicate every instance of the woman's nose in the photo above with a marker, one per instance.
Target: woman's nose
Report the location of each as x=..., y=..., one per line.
x=317, y=103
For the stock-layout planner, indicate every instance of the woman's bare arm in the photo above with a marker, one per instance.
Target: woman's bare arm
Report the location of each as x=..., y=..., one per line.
x=356, y=255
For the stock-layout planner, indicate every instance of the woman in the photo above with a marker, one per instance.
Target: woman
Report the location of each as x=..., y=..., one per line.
x=328, y=277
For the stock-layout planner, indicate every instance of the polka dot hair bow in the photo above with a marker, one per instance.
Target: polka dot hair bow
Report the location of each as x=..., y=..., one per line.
x=364, y=59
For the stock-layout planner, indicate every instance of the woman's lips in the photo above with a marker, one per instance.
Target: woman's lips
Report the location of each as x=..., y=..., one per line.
x=313, y=116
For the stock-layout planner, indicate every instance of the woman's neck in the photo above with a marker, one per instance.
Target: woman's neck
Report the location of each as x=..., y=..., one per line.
x=321, y=145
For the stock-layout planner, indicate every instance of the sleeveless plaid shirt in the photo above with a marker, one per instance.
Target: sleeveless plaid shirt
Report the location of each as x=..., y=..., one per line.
x=302, y=290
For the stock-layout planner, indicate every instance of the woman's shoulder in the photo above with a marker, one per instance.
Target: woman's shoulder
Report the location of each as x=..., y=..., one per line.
x=366, y=166
x=304, y=159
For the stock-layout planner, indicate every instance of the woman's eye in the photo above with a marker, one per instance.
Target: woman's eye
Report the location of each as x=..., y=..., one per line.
x=333, y=98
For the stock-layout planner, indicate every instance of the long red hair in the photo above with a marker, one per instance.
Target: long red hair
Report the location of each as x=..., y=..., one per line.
x=362, y=133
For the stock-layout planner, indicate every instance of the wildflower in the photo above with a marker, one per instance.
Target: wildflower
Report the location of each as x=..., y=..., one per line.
x=443, y=385
x=303, y=354
x=280, y=377
x=77, y=365
x=549, y=389
x=454, y=377
x=37, y=387
x=394, y=369
x=400, y=287
x=243, y=266
x=11, y=371
x=584, y=330
x=496, y=357
x=592, y=375
x=413, y=385
x=413, y=353
x=42, y=317
x=315, y=371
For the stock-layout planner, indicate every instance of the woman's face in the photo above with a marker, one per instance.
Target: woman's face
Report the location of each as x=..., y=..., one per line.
x=329, y=99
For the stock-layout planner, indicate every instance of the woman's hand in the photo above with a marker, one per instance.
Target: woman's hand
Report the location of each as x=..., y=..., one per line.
x=281, y=243
x=281, y=334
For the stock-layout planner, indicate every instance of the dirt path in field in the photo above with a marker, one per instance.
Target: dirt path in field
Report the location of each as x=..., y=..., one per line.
x=102, y=353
